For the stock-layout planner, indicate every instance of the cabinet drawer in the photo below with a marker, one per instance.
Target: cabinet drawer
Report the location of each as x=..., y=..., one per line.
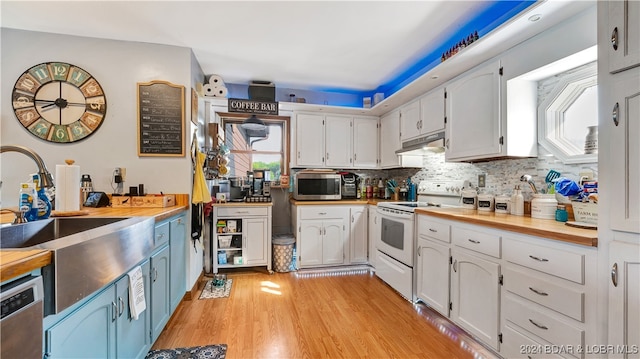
x=518, y=345
x=547, y=327
x=554, y=296
x=321, y=212
x=481, y=242
x=161, y=234
x=434, y=229
x=242, y=211
x=563, y=264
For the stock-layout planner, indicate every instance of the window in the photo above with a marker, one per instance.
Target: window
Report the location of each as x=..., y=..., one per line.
x=251, y=150
x=567, y=113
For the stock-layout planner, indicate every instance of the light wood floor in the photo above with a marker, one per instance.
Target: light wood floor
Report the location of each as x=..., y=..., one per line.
x=291, y=315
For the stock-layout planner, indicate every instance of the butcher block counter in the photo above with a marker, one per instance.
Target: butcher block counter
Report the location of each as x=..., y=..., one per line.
x=16, y=262
x=546, y=228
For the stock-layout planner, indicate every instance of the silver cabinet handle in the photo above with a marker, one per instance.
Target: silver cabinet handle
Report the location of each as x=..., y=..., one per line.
x=538, y=292
x=538, y=325
x=614, y=114
x=614, y=39
x=179, y=220
x=352, y=219
x=322, y=213
x=455, y=263
x=242, y=212
x=433, y=230
x=114, y=312
x=473, y=241
x=419, y=251
x=327, y=156
x=120, y=306
x=375, y=220
x=538, y=259
x=161, y=235
x=447, y=143
x=155, y=274
x=614, y=274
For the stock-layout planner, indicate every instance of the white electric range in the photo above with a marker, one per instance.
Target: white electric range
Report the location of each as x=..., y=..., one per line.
x=395, y=247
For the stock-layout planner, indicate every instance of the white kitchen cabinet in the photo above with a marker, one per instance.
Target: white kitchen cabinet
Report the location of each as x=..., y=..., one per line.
x=389, y=139
x=624, y=30
x=432, y=282
x=473, y=109
x=365, y=142
x=359, y=246
x=335, y=141
x=475, y=296
x=338, y=141
x=309, y=140
x=624, y=298
x=374, y=233
x=322, y=235
x=243, y=236
x=423, y=116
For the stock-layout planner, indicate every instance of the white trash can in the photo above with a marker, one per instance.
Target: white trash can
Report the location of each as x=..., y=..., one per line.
x=283, y=252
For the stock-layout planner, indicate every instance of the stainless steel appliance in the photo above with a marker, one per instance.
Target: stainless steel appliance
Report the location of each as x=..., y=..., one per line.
x=317, y=185
x=21, y=322
x=238, y=189
x=349, y=185
x=395, y=248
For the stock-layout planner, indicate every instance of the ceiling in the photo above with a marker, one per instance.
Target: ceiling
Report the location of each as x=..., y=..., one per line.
x=316, y=45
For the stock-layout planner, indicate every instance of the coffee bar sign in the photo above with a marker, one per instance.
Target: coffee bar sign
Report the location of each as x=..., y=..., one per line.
x=251, y=106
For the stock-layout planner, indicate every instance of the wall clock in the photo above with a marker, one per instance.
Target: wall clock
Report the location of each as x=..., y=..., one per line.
x=59, y=102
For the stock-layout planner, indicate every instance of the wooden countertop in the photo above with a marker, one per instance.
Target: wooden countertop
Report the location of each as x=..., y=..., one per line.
x=546, y=228
x=243, y=204
x=339, y=202
x=16, y=262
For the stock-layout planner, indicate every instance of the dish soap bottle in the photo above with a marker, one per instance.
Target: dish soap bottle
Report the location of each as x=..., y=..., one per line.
x=517, y=202
x=43, y=203
x=27, y=202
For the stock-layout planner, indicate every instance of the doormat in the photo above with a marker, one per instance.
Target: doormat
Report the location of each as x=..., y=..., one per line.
x=218, y=351
x=210, y=291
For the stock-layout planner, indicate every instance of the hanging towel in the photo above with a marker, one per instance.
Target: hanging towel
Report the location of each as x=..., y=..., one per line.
x=137, y=303
x=200, y=193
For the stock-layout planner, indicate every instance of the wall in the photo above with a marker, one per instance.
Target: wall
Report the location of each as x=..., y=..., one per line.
x=118, y=66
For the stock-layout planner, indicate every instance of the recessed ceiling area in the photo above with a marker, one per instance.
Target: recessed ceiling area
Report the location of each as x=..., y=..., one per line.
x=343, y=46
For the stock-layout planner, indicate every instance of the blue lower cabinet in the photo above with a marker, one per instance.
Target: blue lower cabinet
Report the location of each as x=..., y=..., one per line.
x=178, y=243
x=133, y=335
x=160, y=292
x=89, y=332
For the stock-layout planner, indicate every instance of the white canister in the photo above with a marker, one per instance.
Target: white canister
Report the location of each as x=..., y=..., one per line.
x=544, y=206
x=469, y=198
x=485, y=202
x=502, y=204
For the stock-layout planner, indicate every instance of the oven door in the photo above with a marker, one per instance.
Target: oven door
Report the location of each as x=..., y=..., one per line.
x=396, y=235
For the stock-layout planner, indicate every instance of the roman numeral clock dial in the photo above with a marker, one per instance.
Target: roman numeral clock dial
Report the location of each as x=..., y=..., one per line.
x=59, y=102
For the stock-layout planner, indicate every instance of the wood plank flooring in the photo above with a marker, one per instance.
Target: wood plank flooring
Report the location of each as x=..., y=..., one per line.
x=298, y=315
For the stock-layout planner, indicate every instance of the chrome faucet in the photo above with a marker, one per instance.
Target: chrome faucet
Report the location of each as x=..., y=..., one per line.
x=46, y=180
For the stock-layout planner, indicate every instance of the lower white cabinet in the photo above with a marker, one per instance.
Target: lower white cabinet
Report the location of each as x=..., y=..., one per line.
x=374, y=233
x=358, y=243
x=432, y=282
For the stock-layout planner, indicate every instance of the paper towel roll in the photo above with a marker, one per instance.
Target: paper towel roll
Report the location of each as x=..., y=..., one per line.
x=207, y=90
x=67, y=188
x=220, y=92
x=216, y=80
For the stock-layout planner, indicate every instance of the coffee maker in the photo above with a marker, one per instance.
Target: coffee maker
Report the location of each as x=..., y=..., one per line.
x=349, y=185
x=260, y=184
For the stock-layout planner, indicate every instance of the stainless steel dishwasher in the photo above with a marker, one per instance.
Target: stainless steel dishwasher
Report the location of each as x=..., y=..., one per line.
x=21, y=321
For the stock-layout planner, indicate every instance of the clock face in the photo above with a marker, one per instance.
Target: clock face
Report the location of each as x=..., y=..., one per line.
x=59, y=102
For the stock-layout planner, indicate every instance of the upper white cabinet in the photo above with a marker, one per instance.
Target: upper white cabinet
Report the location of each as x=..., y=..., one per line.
x=335, y=141
x=423, y=116
x=389, y=139
x=474, y=114
x=624, y=27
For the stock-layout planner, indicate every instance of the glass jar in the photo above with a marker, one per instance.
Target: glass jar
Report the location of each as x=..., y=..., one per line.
x=561, y=213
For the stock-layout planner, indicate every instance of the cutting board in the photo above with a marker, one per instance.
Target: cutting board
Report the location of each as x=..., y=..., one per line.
x=69, y=213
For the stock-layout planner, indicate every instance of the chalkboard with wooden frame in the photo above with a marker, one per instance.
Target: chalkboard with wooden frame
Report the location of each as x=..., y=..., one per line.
x=161, y=125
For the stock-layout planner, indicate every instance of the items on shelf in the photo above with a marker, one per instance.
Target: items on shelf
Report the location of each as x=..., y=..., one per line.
x=460, y=45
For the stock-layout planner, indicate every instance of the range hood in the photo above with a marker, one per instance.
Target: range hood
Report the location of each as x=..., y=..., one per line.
x=433, y=142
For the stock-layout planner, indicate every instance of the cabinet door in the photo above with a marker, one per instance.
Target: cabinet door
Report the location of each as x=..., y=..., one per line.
x=255, y=239
x=333, y=241
x=178, y=243
x=358, y=246
x=132, y=334
x=475, y=296
x=389, y=139
x=310, y=243
x=624, y=297
x=433, y=275
x=160, y=302
x=89, y=332
x=625, y=151
x=432, y=111
x=310, y=140
x=410, y=121
x=624, y=27
x=473, y=114
x=338, y=139
x=374, y=234
x=365, y=143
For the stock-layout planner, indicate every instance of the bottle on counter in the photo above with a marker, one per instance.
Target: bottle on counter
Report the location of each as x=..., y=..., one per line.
x=561, y=213
x=369, y=189
x=27, y=201
x=517, y=202
x=381, y=187
x=363, y=188
x=43, y=204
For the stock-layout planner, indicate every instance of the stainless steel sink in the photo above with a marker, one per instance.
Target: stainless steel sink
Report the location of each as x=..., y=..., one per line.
x=88, y=252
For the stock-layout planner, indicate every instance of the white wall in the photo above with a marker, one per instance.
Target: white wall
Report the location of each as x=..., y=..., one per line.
x=118, y=66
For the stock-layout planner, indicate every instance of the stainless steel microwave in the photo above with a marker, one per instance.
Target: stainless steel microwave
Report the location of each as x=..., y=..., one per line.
x=317, y=186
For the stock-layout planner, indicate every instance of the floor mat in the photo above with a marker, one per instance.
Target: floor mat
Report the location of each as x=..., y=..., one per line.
x=218, y=351
x=210, y=291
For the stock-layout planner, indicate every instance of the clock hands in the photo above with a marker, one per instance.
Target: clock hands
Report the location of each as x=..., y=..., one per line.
x=63, y=103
